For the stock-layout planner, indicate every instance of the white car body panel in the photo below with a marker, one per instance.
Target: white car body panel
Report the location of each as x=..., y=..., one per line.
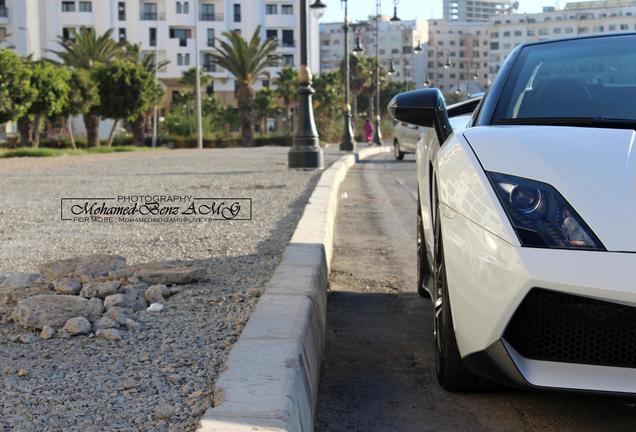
x=599, y=160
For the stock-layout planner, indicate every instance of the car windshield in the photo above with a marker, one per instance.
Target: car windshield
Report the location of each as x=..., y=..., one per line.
x=583, y=79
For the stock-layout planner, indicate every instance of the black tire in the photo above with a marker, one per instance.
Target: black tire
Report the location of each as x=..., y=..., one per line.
x=452, y=374
x=423, y=269
x=397, y=153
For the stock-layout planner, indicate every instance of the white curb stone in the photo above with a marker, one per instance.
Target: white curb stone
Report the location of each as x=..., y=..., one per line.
x=270, y=381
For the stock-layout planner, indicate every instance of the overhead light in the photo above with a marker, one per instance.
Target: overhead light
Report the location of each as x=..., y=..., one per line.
x=318, y=9
x=392, y=68
x=418, y=48
x=358, y=48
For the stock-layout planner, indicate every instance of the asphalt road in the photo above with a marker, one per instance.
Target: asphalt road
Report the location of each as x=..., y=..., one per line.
x=379, y=369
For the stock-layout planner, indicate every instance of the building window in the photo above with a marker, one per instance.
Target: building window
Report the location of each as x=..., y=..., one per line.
x=237, y=12
x=271, y=34
x=67, y=33
x=271, y=9
x=85, y=6
x=149, y=12
x=557, y=30
x=517, y=32
x=152, y=36
x=121, y=11
x=569, y=30
x=68, y=6
x=288, y=39
x=207, y=12
x=179, y=59
x=288, y=60
x=287, y=9
x=3, y=32
x=211, y=40
x=186, y=61
x=122, y=34
x=182, y=34
x=624, y=27
x=531, y=32
x=186, y=7
x=179, y=7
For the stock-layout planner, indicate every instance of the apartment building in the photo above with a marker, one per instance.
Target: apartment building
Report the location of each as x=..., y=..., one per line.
x=575, y=19
x=476, y=10
x=397, y=43
x=458, y=56
x=165, y=28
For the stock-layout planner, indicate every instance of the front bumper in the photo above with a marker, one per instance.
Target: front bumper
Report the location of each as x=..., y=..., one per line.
x=488, y=279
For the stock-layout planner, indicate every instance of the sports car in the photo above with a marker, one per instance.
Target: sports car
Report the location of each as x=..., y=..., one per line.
x=527, y=220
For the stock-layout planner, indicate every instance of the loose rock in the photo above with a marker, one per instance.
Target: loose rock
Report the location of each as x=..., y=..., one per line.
x=19, y=286
x=155, y=307
x=48, y=332
x=168, y=276
x=78, y=326
x=99, y=289
x=52, y=310
x=117, y=314
x=156, y=294
x=88, y=266
x=106, y=323
x=22, y=372
x=24, y=338
x=132, y=325
x=108, y=334
x=67, y=286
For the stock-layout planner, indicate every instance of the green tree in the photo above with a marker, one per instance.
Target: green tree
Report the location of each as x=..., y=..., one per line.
x=453, y=97
x=127, y=92
x=265, y=106
x=52, y=84
x=85, y=50
x=247, y=61
x=16, y=92
x=362, y=79
x=188, y=79
x=328, y=104
x=83, y=95
x=287, y=90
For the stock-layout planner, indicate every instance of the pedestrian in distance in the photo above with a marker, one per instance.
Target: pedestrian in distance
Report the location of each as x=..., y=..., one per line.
x=368, y=131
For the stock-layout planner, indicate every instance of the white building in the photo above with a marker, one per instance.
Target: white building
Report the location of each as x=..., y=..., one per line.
x=576, y=19
x=167, y=27
x=458, y=56
x=397, y=43
x=476, y=10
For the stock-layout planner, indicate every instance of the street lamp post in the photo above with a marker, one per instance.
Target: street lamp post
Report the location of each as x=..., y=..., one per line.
x=197, y=77
x=348, y=142
x=377, y=136
x=306, y=151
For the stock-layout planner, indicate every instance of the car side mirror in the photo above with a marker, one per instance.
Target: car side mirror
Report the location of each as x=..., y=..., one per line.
x=425, y=107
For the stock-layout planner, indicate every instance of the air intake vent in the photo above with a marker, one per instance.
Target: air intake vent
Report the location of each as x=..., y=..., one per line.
x=567, y=328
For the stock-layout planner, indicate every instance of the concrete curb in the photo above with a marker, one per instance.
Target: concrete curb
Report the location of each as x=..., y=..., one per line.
x=270, y=381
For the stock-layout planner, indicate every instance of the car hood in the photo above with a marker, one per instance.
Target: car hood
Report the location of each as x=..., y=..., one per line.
x=594, y=169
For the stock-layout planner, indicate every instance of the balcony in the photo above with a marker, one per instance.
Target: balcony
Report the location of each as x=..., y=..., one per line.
x=209, y=67
x=152, y=16
x=210, y=17
x=4, y=12
x=288, y=44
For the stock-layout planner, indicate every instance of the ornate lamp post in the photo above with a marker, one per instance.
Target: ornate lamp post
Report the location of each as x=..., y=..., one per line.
x=306, y=151
x=348, y=142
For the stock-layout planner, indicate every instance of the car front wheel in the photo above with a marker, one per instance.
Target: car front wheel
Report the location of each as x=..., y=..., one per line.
x=452, y=374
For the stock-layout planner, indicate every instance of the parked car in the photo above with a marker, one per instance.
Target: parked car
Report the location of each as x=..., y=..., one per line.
x=405, y=139
x=527, y=220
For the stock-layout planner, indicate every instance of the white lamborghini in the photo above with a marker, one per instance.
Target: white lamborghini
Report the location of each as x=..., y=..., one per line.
x=527, y=220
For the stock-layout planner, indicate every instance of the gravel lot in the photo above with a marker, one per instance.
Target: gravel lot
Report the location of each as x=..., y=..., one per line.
x=159, y=378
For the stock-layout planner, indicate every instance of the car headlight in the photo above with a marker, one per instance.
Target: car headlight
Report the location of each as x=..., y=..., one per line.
x=540, y=216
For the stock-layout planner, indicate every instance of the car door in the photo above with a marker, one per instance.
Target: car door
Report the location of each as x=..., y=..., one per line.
x=412, y=135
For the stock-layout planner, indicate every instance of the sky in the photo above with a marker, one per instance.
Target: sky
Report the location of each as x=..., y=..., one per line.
x=412, y=9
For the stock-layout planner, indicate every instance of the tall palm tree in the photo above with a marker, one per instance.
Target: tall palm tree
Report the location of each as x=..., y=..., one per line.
x=247, y=61
x=286, y=89
x=84, y=50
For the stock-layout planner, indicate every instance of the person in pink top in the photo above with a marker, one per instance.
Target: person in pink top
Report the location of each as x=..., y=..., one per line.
x=368, y=131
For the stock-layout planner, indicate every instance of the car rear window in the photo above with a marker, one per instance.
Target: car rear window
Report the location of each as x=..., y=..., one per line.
x=590, y=78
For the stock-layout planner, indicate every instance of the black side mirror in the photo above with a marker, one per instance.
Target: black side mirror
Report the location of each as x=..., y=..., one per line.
x=424, y=107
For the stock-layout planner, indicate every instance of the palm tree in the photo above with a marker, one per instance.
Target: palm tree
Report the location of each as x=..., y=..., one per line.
x=84, y=50
x=247, y=61
x=286, y=89
x=361, y=80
